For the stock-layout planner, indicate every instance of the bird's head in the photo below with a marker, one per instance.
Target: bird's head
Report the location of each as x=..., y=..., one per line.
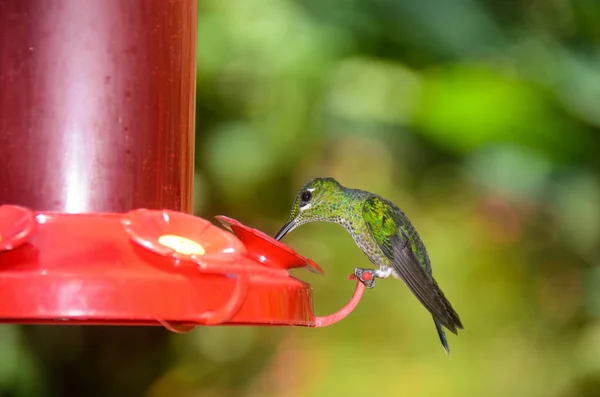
x=315, y=201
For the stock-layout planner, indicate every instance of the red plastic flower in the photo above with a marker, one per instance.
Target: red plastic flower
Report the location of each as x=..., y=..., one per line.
x=266, y=249
x=182, y=236
x=17, y=224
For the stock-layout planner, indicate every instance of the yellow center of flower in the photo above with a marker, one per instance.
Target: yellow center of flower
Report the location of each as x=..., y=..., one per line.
x=181, y=244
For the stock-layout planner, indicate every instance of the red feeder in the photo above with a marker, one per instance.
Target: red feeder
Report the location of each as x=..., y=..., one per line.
x=96, y=115
x=149, y=267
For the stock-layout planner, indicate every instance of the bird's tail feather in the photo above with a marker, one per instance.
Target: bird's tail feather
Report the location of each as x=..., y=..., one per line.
x=442, y=336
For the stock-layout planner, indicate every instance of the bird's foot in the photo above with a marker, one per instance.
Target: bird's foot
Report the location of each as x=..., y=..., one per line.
x=366, y=276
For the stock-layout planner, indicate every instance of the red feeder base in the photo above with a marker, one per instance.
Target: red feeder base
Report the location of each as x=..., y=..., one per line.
x=149, y=267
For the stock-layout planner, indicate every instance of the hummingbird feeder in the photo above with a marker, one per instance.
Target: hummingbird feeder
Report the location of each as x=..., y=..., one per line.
x=96, y=141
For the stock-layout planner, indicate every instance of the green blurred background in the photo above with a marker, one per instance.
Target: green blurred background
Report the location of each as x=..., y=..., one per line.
x=479, y=118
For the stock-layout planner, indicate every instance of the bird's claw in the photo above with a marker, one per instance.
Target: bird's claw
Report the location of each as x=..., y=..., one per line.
x=366, y=276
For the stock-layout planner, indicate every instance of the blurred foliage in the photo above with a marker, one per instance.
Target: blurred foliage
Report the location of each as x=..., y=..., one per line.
x=479, y=118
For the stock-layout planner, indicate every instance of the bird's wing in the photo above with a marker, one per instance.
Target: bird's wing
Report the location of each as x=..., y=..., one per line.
x=394, y=241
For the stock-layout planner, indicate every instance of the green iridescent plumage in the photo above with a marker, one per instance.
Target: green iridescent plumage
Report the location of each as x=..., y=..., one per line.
x=386, y=236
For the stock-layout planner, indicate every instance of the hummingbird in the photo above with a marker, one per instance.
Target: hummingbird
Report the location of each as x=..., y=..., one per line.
x=385, y=235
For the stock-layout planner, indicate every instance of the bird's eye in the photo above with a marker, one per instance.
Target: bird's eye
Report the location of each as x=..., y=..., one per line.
x=306, y=196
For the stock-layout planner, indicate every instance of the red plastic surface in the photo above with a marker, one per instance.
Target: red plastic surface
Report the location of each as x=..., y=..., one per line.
x=267, y=250
x=97, y=104
x=96, y=119
x=17, y=225
x=119, y=269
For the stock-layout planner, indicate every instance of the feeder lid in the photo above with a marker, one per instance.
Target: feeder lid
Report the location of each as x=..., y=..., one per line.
x=149, y=267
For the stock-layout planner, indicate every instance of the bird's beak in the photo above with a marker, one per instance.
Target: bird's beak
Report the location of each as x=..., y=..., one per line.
x=284, y=230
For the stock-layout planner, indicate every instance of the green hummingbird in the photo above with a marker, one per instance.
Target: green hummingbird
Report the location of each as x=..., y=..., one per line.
x=386, y=236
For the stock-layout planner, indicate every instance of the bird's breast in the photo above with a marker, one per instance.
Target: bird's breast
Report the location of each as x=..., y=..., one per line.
x=368, y=245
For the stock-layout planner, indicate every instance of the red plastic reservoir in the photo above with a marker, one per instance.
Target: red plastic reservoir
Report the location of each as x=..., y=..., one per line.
x=149, y=267
x=96, y=122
